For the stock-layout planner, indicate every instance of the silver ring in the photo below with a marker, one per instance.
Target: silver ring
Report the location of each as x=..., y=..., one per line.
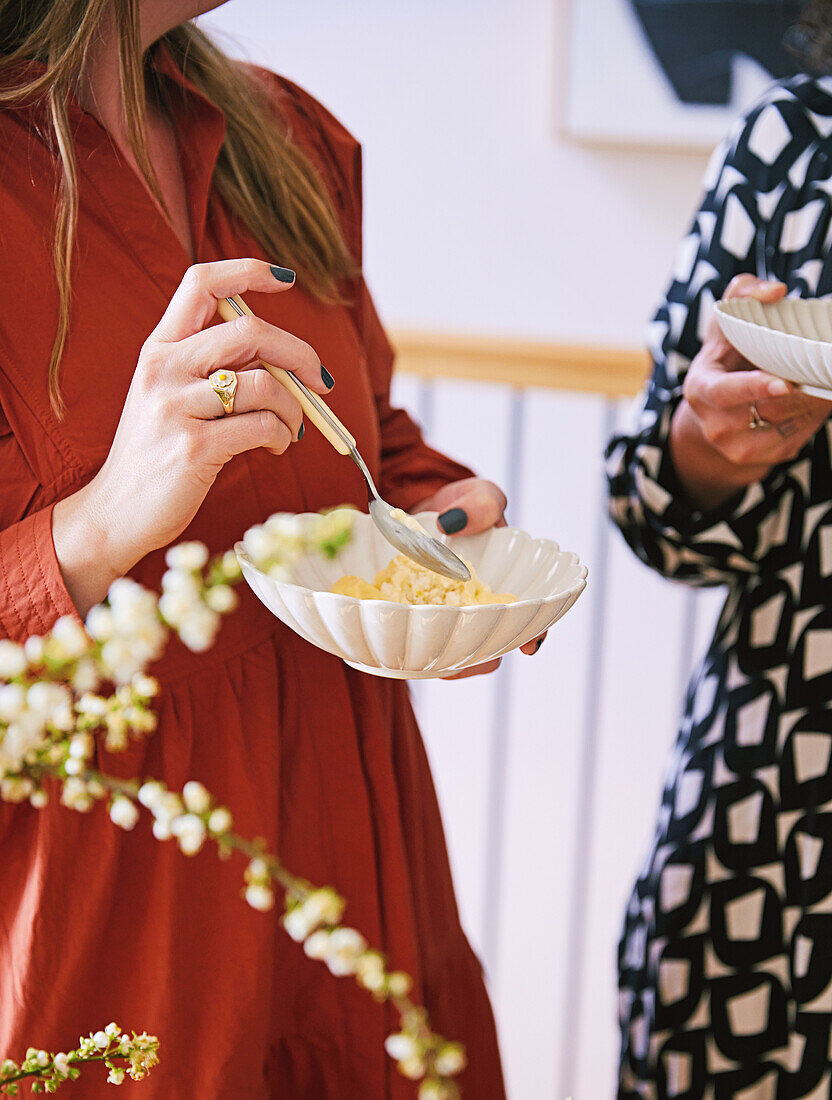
x=755, y=420
x=224, y=385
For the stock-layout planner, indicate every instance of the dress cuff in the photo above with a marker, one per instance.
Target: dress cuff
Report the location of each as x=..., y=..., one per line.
x=32, y=590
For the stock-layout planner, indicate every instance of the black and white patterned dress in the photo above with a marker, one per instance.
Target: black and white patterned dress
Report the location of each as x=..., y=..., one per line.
x=726, y=958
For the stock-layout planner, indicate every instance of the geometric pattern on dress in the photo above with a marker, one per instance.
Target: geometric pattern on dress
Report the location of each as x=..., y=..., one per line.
x=725, y=961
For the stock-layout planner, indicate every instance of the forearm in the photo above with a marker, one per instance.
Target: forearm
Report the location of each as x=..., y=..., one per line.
x=707, y=477
x=88, y=559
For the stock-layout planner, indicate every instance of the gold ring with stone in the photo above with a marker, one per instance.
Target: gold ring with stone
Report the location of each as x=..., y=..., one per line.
x=224, y=384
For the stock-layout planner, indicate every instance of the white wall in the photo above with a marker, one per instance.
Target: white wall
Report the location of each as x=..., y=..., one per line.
x=479, y=219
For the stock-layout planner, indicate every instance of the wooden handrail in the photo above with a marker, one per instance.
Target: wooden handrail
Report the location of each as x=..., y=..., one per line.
x=612, y=371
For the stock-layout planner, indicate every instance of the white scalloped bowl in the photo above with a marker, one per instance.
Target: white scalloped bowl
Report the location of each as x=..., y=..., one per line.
x=791, y=339
x=422, y=642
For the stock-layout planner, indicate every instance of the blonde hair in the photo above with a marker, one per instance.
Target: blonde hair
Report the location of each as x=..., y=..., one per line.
x=266, y=180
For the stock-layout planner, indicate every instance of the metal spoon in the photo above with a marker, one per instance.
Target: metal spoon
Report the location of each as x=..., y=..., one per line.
x=400, y=530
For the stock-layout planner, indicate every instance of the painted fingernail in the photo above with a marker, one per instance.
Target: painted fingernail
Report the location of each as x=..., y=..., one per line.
x=540, y=642
x=301, y=430
x=453, y=520
x=329, y=381
x=282, y=274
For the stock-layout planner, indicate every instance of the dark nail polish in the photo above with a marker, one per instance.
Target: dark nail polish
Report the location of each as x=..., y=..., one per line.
x=301, y=430
x=282, y=274
x=453, y=520
x=329, y=381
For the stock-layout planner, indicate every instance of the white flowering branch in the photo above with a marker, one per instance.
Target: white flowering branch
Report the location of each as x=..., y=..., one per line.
x=132, y=1055
x=53, y=713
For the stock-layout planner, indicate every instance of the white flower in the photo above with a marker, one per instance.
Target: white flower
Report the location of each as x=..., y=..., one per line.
x=162, y=829
x=346, y=945
x=220, y=821
x=316, y=946
x=297, y=924
x=186, y=585
x=85, y=677
x=113, y=1030
x=75, y=795
x=34, y=648
x=199, y=628
x=123, y=813
x=100, y=623
x=323, y=906
x=258, y=869
x=12, y=659
x=12, y=701
x=74, y=766
x=450, y=1059
x=38, y=799
x=15, y=789
x=115, y=1076
x=189, y=830
x=189, y=556
x=412, y=1068
x=101, y=1040
x=145, y=686
x=197, y=799
x=257, y=543
x=70, y=637
x=260, y=897
x=44, y=696
x=370, y=971
x=399, y=984
x=93, y=705
x=42, y=1059
x=81, y=746
x=221, y=598
x=150, y=794
x=61, y=1064
x=432, y=1090
x=401, y=1046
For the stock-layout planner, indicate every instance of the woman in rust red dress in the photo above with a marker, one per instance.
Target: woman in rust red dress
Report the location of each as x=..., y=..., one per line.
x=132, y=151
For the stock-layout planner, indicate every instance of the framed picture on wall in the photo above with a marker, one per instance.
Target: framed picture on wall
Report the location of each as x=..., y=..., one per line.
x=671, y=73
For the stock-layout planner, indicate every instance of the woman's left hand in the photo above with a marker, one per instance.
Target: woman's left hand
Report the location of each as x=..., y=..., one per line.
x=466, y=508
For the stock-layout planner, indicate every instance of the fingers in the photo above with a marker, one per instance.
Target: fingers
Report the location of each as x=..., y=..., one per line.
x=724, y=389
x=232, y=435
x=238, y=343
x=533, y=646
x=476, y=506
x=195, y=301
x=749, y=286
x=256, y=390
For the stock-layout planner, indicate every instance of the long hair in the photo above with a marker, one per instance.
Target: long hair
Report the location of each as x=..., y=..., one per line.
x=266, y=180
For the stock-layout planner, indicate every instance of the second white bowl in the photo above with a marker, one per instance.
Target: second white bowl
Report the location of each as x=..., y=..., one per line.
x=791, y=339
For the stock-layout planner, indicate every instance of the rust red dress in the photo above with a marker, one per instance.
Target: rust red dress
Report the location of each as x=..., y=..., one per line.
x=326, y=763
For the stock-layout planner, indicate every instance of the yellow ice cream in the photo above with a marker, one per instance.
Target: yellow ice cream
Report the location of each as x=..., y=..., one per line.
x=405, y=581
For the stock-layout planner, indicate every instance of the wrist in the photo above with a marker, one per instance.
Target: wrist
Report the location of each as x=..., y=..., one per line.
x=89, y=549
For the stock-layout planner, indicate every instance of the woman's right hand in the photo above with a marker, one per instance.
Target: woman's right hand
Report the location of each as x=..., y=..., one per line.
x=173, y=437
x=714, y=449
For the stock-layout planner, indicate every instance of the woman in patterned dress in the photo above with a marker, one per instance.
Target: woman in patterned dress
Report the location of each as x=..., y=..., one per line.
x=726, y=478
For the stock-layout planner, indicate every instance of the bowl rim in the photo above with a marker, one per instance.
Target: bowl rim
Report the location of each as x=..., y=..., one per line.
x=723, y=307
x=573, y=559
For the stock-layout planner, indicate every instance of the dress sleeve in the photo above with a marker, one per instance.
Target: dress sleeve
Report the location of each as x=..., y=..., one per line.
x=411, y=471
x=751, y=193
x=32, y=591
